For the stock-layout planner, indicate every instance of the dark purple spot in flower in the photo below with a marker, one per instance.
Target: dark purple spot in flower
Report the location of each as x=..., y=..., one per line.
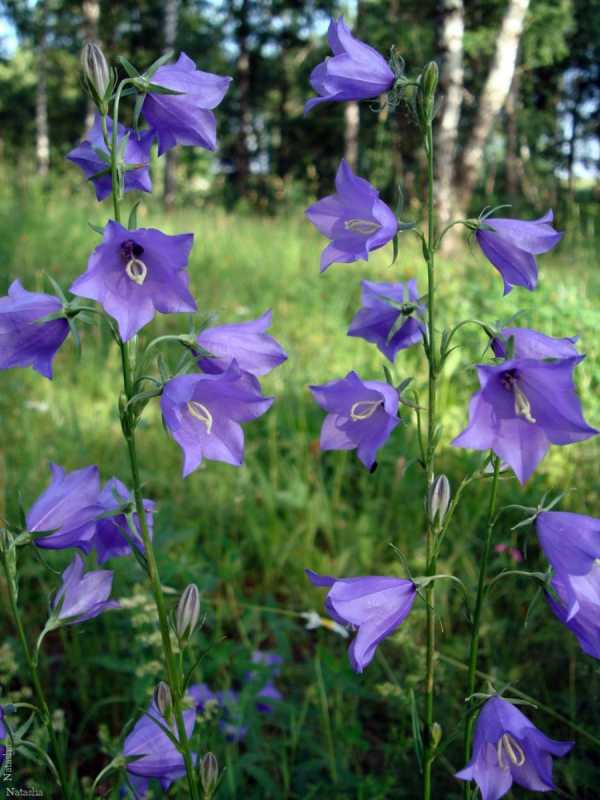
x=509, y=378
x=130, y=250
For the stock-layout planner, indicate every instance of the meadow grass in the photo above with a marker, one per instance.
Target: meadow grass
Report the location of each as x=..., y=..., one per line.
x=245, y=535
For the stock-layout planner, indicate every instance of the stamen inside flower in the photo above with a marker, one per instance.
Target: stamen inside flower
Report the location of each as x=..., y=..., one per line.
x=510, y=381
x=364, y=409
x=201, y=412
x=135, y=268
x=509, y=745
x=364, y=226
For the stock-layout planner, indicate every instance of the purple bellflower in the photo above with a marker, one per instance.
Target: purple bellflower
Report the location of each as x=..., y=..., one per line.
x=247, y=342
x=571, y=543
x=508, y=748
x=137, y=151
x=528, y=343
x=525, y=405
x=375, y=604
x=68, y=507
x=203, y=697
x=134, y=274
x=160, y=759
x=25, y=342
x=269, y=664
x=203, y=414
x=231, y=725
x=354, y=218
x=113, y=534
x=387, y=316
x=512, y=244
x=361, y=415
x=355, y=72
x=185, y=118
x=3, y=735
x=83, y=596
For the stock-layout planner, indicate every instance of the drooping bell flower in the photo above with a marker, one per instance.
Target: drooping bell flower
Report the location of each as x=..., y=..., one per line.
x=388, y=317
x=203, y=414
x=87, y=156
x=113, y=534
x=160, y=759
x=82, y=596
x=361, y=415
x=231, y=725
x=355, y=72
x=512, y=244
x=3, y=735
x=525, y=405
x=354, y=218
x=247, y=342
x=585, y=622
x=527, y=343
x=204, y=698
x=134, y=274
x=24, y=340
x=269, y=665
x=375, y=604
x=508, y=748
x=185, y=118
x=68, y=507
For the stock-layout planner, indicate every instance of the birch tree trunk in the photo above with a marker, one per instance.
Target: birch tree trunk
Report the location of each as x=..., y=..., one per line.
x=451, y=38
x=42, y=141
x=171, y=8
x=513, y=165
x=493, y=97
x=351, y=133
x=91, y=15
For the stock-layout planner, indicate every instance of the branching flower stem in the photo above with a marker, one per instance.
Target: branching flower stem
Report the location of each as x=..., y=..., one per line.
x=128, y=423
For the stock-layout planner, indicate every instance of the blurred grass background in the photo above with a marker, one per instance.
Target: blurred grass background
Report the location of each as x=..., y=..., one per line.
x=245, y=535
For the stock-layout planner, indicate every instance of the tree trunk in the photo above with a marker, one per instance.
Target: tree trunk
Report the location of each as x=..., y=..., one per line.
x=492, y=99
x=351, y=132
x=91, y=15
x=42, y=141
x=513, y=166
x=171, y=13
x=242, y=150
x=451, y=38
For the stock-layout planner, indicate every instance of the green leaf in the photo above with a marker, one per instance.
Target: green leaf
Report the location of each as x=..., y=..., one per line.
x=132, y=221
x=137, y=110
x=56, y=287
x=155, y=88
x=75, y=335
x=128, y=67
x=416, y=730
x=96, y=228
x=158, y=63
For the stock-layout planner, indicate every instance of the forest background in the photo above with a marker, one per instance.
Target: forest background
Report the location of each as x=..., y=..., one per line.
x=519, y=124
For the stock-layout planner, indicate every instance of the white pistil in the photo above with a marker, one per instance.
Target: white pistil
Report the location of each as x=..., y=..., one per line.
x=364, y=409
x=508, y=744
x=522, y=406
x=201, y=412
x=136, y=270
x=364, y=226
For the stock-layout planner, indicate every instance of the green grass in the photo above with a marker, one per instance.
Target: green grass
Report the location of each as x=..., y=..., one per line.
x=244, y=536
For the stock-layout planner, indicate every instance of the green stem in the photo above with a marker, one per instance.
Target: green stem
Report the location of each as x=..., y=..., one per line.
x=174, y=676
x=430, y=453
x=37, y=686
x=477, y=613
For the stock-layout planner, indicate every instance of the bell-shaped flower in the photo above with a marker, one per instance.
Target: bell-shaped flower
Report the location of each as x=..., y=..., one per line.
x=527, y=343
x=355, y=72
x=203, y=414
x=185, y=118
x=374, y=604
x=354, y=218
x=585, y=623
x=82, y=596
x=113, y=534
x=93, y=158
x=159, y=758
x=388, y=316
x=68, y=507
x=361, y=415
x=525, y=405
x=247, y=342
x=134, y=274
x=24, y=340
x=508, y=748
x=512, y=244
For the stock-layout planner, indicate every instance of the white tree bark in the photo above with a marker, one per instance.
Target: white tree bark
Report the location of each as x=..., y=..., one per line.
x=451, y=88
x=42, y=139
x=351, y=133
x=493, y=97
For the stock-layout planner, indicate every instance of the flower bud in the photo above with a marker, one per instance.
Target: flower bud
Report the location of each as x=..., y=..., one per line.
x=438, y=499
x=163, y=699
x=431, y=76
x=188, y=611
x=95, y=71
x=436, y=734
x=209, y=774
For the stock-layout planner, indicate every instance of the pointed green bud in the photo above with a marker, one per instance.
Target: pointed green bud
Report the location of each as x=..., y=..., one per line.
x=96, y=73
x=436, y=734
x=438, y=499
x=431, y=76
x=163, y=699
x=209, y=774
x=188, y=611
